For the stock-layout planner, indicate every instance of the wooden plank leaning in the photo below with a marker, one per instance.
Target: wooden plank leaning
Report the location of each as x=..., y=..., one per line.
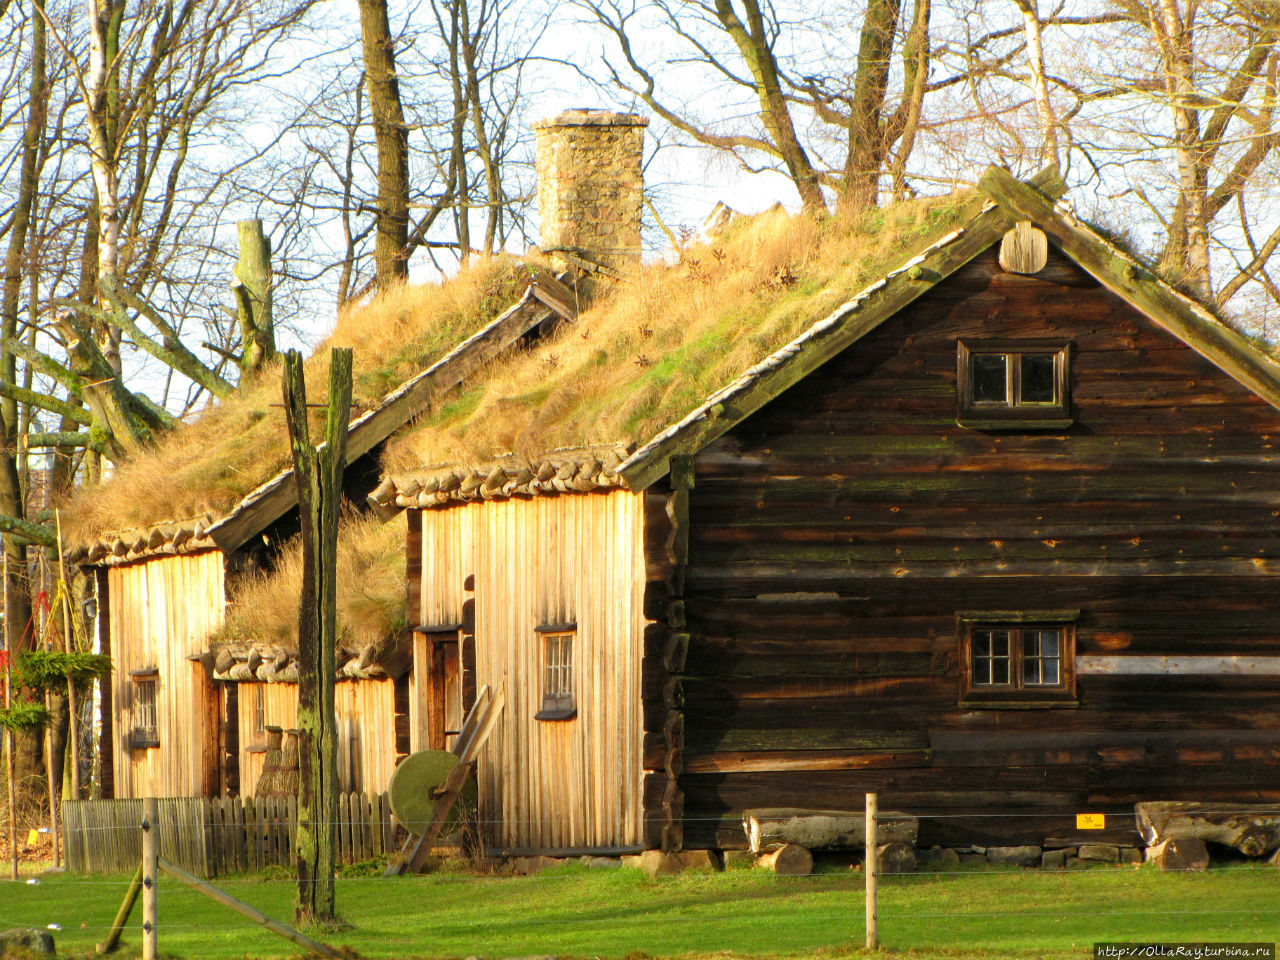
x=475, y=732
x=122, y=915
x=242, y=908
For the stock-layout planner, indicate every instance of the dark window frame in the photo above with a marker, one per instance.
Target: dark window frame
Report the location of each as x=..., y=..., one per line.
x=1013, y=413
x=1017, y=693
x=259, y=710
x=558, y=642
x=141, y=705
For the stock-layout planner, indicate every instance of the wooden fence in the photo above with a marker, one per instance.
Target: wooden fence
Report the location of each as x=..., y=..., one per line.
x=210, y=837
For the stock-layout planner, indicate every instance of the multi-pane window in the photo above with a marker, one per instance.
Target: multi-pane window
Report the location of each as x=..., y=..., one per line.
x=557, y=673
x=1013, y=384
x=142, y=712
x=260, y=709
x=1026, y=658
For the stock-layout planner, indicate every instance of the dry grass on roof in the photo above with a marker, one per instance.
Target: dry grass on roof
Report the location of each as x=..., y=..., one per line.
x=206, y=466
x=654, y=348
x=263, y=609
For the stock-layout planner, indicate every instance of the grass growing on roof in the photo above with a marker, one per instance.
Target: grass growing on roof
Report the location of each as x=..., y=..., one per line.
x=371, y=596
x=653, y=348
x=209, y=464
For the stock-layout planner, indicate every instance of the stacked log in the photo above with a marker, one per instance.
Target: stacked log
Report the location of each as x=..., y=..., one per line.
x=1253, y=829
x=666, y=646
x=771, y=828
x=268, y=780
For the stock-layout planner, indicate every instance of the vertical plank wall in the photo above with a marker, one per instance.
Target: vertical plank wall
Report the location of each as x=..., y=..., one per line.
x=366, y=731
x=551, y=785
x=161, y=610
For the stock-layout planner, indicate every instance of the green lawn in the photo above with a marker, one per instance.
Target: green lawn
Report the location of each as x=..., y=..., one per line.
x=575, y=912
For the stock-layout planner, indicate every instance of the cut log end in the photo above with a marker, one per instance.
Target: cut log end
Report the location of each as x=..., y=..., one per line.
x=789, y=860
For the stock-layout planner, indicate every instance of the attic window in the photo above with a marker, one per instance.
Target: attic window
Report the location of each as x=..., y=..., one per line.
x=1013, y=384
x=142, y=711
x=1017, y=658
x=557, y=672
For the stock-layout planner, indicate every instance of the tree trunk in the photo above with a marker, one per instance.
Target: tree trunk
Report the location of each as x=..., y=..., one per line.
x=861, y=181
x=318, y=472
x=1188, y=250
x=915, y=70
x=253, y=298
x=1035, y=59
x=390, y=252
x=752, y=41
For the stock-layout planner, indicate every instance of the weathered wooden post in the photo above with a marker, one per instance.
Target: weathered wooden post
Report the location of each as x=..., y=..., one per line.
x=8, y=732
x=150, y=871
x=318, y=472
x=872, y=870
x=73, y=727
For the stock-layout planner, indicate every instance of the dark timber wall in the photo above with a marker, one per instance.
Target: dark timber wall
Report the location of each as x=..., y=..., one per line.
x=834, y=535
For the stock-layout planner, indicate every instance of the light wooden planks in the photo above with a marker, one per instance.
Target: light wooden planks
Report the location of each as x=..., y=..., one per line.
x=366, y=731
x=548, y=785
x=160, y=613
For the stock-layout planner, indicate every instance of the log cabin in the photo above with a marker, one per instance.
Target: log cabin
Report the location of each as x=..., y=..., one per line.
x=995, y=537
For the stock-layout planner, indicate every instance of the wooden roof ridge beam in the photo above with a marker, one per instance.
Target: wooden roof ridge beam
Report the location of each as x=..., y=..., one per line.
x=273, y=498
x=1178, y=314
x=555, y=295
x=847, y=324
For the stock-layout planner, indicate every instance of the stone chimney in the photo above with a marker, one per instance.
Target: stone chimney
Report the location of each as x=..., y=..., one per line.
x=590, y=184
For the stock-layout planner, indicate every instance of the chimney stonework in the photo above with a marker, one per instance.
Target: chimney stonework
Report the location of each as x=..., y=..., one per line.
x=590, y=184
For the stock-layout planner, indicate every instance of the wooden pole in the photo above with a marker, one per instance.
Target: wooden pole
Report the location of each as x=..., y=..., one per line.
x=10, y=770
x=73, y=725
x=150, y=871
x=122, y=915
x=257, y=916
x=318, y=473
x=872, y=870
x=53, y=776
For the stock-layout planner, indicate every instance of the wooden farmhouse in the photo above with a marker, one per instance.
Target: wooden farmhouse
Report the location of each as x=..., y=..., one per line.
x=960, y=504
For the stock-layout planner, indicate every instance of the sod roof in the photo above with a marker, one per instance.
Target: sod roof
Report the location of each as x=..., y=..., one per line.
x=655, y=366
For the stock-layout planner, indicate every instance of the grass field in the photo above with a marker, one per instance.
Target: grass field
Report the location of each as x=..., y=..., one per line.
x=570, y=911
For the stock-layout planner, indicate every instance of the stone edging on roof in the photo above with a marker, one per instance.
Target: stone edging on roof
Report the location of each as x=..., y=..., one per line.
x=577, y=470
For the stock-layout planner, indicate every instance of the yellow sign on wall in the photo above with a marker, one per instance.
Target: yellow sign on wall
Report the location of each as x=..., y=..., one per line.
x=1091, y=821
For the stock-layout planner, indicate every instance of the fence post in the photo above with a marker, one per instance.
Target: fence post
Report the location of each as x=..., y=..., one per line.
x=150, y=870
x=871, y=869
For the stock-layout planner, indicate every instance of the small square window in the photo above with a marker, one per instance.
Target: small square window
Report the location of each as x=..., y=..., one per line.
x=1013, y=384
x=143, y=731
x=1017, y=658
x=557, y=673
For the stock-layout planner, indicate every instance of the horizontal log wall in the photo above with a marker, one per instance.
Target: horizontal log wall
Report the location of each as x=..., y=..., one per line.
x=365, y=711
x=548, y=785
x=836, y=533
x=160, y=611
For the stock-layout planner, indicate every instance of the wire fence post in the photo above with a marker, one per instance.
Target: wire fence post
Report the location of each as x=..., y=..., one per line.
x=150, y=869
x=871, y=868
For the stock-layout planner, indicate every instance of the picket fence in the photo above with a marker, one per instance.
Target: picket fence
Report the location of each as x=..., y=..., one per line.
x=213, y=836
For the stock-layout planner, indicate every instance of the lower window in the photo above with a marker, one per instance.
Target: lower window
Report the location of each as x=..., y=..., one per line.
x=143, y=730
x=1017, y=658
x=557, y=675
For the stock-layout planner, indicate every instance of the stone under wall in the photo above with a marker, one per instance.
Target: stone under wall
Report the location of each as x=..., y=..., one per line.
x=590, y=184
